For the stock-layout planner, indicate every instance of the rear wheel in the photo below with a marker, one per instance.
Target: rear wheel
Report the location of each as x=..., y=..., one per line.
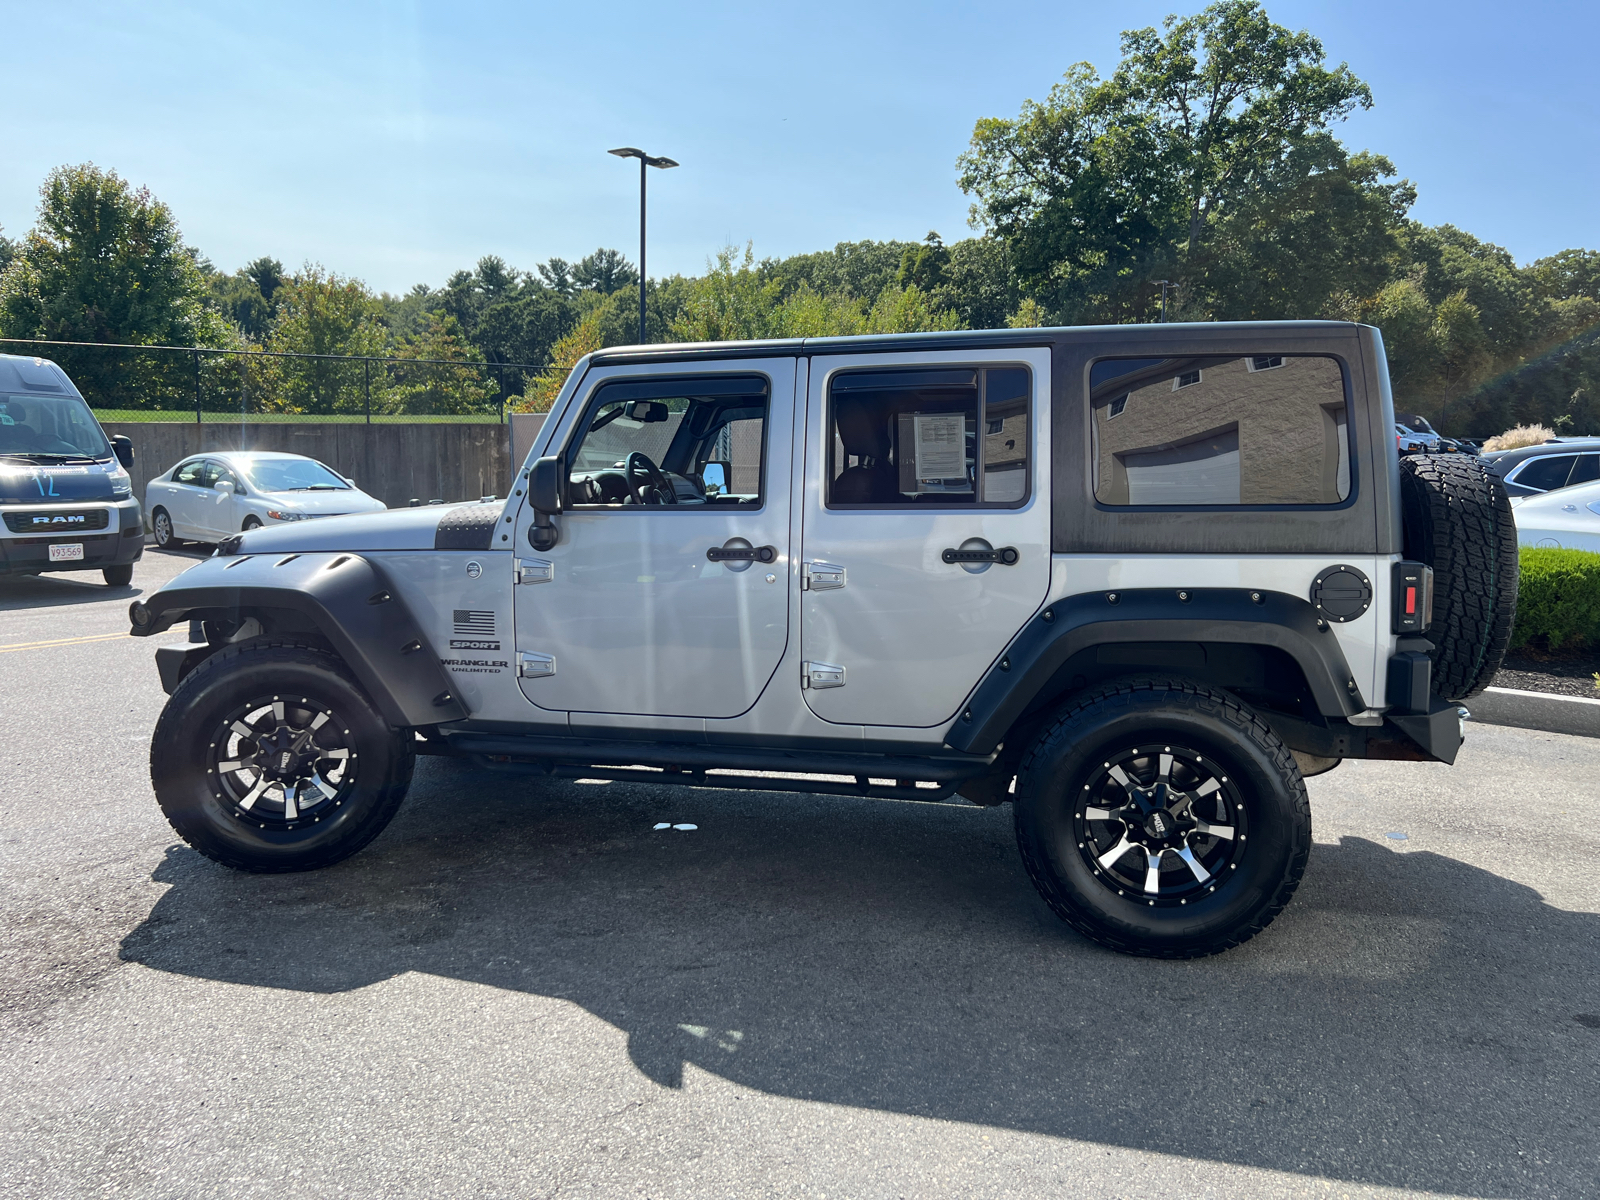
x=161, y=526
x=1162, y=818
x=269, y=757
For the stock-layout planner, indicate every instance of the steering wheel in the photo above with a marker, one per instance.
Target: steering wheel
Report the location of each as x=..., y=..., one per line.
x=659, y=485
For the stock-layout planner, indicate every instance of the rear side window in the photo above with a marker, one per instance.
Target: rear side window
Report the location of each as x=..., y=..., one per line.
x=190, y=473
x=1201, y=432
x=1586, y=471
x=1547, y=474
x=935, y=436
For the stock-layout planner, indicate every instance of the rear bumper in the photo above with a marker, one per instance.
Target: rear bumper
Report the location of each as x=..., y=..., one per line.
x=120, y=542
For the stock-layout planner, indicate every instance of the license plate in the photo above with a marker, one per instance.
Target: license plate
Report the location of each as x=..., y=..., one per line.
x=67, y=552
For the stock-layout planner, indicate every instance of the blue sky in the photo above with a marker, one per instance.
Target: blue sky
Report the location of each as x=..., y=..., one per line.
x=397, y=142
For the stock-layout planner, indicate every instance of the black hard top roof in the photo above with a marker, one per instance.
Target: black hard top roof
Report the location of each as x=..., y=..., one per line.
x=976, y=339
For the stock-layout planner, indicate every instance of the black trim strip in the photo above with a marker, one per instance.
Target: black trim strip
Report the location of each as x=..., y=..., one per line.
x=1076, y=623
x=596, y=751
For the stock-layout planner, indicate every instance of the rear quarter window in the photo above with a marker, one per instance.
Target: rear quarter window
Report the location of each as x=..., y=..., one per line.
x=1253, y=430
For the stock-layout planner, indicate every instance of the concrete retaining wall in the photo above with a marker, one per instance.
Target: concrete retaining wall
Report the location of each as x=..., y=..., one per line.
x=395, y=463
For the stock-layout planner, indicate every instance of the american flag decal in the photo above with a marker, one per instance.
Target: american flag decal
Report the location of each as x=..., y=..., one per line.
x=471, y=622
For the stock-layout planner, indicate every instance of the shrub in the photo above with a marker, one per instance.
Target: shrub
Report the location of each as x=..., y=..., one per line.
x=1558, y=598
x=1522, y=435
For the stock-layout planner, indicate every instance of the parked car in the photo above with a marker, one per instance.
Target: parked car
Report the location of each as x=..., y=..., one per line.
x=1567, y=519
x=1135, y=581
x=65, y=493
x=208, y=496
x=1535, y=470
x=1409, y=441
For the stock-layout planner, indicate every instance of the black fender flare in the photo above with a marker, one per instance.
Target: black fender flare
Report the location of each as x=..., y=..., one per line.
x=1064, y=627
x=345, y=597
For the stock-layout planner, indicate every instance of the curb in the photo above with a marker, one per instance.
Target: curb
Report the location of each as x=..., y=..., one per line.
x=1537, y=710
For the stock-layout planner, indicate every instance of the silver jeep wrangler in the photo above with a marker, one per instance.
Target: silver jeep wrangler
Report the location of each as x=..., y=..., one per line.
x=1136, y=581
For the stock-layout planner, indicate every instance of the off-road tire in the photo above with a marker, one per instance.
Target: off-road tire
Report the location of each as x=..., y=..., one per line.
x=1163, y=712
x=1457, y=520
x=119, y=576
x=193, y=799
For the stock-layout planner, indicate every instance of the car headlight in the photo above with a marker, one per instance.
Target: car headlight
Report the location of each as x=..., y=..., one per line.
x=121, y=485
x=286, y=516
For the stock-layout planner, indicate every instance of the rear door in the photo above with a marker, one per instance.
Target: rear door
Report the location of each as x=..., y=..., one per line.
x=926, y=527
x=185, y=498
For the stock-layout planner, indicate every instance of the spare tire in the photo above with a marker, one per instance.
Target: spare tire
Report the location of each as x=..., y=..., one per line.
x=1457, y=520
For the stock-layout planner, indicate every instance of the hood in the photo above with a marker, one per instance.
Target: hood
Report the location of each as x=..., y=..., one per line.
x=51, y=483
x=392, y=529
x=351, y=500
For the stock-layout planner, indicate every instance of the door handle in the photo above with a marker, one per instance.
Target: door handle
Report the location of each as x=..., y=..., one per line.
x=763, y=554
x=1006, y=556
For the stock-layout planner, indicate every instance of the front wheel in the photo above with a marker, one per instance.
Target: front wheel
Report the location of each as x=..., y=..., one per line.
x=161, y=526
x=269, y=757
x=1162, y=818
x=251, y=522
x=119, y=576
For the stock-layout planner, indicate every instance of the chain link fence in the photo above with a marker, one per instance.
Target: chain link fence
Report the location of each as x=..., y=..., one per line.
x=206, y=386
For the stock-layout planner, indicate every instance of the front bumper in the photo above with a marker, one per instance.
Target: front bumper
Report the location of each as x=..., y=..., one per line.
x=118, y=542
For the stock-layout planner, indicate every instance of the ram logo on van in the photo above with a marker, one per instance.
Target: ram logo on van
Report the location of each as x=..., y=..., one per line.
x=61, y=519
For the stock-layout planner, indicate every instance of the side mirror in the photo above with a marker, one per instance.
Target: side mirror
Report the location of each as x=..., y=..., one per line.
x=225, y=486
x=714, y=478
x=544, y=494
x=122, y=447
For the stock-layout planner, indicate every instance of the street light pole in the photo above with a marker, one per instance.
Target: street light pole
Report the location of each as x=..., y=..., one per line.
x=645, y=161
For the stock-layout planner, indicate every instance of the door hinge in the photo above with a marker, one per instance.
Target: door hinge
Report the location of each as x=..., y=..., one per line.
x=534, y=666
x=535, y=570
x=820, y=675
x=821, y=577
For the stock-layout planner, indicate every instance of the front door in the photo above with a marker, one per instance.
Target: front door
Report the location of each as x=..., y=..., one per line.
x=926, y=535
x=667, y=594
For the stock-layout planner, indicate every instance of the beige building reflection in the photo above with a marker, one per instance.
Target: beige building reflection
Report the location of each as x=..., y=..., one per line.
x=1259, y=430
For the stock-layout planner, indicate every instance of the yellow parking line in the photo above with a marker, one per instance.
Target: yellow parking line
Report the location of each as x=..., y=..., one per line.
x=77, y=641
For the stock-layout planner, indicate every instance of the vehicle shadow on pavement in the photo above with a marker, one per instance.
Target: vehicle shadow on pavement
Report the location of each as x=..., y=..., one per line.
x=21, y=592
x=1410, y=1020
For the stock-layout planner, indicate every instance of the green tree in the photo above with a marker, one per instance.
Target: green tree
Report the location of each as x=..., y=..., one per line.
x=1111, y=184
x=245, y=298
x=457, y=384
x=106, y=262
x=605, y=271
x=320, y=313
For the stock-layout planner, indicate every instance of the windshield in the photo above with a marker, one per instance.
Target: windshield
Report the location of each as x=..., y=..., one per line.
x=292, y=475
x=50, y=427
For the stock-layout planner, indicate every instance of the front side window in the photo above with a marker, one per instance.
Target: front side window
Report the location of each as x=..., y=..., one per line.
x=675, y=440
x=1198, y=432
x=933, y=436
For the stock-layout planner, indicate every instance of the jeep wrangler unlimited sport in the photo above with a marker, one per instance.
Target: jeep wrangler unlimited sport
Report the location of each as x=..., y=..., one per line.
x=1136, y=581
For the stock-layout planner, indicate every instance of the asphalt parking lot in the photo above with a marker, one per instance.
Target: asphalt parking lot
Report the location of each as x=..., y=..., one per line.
x=525, y=990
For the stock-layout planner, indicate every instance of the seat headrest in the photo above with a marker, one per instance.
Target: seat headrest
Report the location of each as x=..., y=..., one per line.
x=863, y=427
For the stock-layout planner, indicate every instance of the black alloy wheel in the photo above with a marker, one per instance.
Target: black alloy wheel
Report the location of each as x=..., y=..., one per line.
x=1161, y=824
x=270, y=757
x=161, y=526
x=282, y=760
x=1162, y=817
